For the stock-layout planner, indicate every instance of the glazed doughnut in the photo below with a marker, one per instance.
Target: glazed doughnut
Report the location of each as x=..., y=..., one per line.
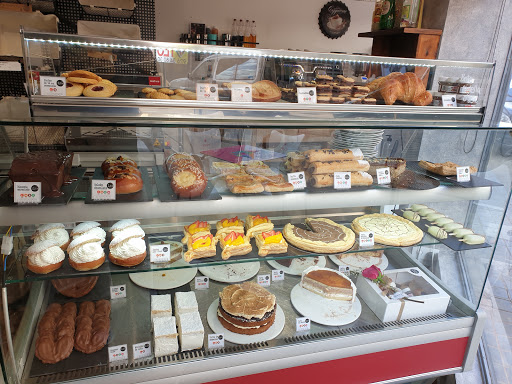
x=99, y=90
x=84, y=74
x=74, y=89
x=81, y=80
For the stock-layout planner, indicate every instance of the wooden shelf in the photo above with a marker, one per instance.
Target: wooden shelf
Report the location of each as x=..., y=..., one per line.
x=399, y=31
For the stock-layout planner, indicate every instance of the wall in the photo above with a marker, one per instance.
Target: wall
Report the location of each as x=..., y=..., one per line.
x=280, y=23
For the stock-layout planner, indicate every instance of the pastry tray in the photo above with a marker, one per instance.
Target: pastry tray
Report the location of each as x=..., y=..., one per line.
x=166, y=194
x=475, y=182
x=7, y=200
x=451, y=242
x=146, y=194
x=77, y=360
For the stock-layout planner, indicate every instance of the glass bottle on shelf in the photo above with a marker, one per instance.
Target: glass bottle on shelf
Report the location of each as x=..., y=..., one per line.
x=234, y=32
x=253, y=34
x=240, y=34
x=376, y=15
x=247, y=34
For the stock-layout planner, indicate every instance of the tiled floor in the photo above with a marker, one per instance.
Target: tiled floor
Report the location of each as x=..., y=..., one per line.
x=497, y=304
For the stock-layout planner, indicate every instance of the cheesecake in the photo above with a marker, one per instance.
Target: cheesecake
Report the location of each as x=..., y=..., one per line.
x=328, y=283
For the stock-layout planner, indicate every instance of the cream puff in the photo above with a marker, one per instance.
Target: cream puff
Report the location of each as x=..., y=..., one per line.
x=89, y=228
x=130, y=225
x=44, y=257
x=86, y=253
x=127, y=250
x=55, y=232
x=135, y=231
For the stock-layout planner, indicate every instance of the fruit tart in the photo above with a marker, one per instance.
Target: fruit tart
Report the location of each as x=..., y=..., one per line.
x=200, y=245
x=234, y=244
x=257, y=224
x=225, y=226
x=271, y=242
x=194, y=228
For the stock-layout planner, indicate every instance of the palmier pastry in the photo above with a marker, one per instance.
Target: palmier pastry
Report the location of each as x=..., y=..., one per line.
x=56, y=332
x=187, y=178
x=54, y=232
x=44, y=257
x=127, y=250
x=74, y=89
x=92, y=326
x=86, y=253
x=75, y=287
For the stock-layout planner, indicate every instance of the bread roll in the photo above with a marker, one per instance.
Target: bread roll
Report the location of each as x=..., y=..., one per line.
x=333, y=154
x=187, y=178
x=357, y=179
x=329, y=167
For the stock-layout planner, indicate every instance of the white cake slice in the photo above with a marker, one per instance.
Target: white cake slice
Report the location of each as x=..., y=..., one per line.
x=191, y=331
x=166, y=336
x=185, y=302
x=160, y=306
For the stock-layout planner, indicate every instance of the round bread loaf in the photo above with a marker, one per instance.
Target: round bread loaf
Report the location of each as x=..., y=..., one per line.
x=187, y=178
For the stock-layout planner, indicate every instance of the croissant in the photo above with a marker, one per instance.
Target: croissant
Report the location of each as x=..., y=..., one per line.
x=406, y=87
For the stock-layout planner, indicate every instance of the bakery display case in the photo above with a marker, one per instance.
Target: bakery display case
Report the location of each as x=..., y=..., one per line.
x=169, y=239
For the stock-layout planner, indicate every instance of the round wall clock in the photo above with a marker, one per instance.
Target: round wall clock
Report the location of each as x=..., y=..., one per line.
x=334, y=19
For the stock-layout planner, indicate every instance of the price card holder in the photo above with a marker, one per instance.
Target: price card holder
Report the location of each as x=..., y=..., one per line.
x=27, y=192
x=463, y=174
x=103, y=190
x=164, y=55
x=241, y=93
x=207, y=92
x=53, y=86
x=160, y=253
x=298, y=180
x=117, y=353
x=141, y=350
x=344, y=269
x=306, y=95
x=215, y=340
x=366, y=239
x=277, y=275
x=383, y=175
x=202, y=282
x=264, y=280
x=449, y=100
x=342, y=180
x=118, y=291
x=302, y=324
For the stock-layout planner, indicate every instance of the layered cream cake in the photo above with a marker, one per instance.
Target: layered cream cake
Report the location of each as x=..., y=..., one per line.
x=328, y=283
x=191, y=331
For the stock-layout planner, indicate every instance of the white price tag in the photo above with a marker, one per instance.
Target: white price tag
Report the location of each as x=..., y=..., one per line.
x=207, y=92
x=297, y=179
x=142, y=350
x=164, y=55
x=241, y=92
x=13, y=66
x=202, y=282
x=366, y=239
x=303, y=324
x=27, y=192
x=53, y=86
x=342, y=180
x=344, y=269
x=277, y=275
x=463, y=174
x=449, y=100
x=160, y=253
x=383, y=176
x=264, y=280
x=103, y=190
x=117, y=291
x=215, y=340
x=306, y=95
x=119, y=352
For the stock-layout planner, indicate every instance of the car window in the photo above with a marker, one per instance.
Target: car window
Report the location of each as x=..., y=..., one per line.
x=236, y=69
x=204, y=70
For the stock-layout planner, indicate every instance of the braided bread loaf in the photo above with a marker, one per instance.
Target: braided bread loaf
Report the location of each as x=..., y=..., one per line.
x=406, y=87
x=92, y=326
x=56, y=332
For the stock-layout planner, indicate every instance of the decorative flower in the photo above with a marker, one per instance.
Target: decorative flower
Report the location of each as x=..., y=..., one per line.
x=372, y=273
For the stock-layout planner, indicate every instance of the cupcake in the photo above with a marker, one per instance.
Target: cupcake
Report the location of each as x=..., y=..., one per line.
x=54, y=232
x=89, y=228
x=44, y=257
x=86, y=253
x=127, y=250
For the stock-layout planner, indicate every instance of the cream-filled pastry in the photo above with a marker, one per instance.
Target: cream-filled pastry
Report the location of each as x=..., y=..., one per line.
x=128, y=250
x=86, y=253
x=92, y=228
x=132, y=231
x=123, y=224
x=44, y=257
x=54, y=232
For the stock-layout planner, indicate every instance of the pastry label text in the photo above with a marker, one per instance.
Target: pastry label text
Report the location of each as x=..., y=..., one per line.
x=383, y=176
x=118, y=291
x=160, y=253
x=27, y=192
x=277, y=275
x=207, y=92
x=119, y=352
x=306, y=95
x=297, y=179
x=215, y=340
x=463, y=174
x=366, y=239
x=264, y=280
x=241, y=92
x=141, y=350
x=53, y=86
x=202, y=282
x=103, y=190
x=342, y=180
x=303, y=324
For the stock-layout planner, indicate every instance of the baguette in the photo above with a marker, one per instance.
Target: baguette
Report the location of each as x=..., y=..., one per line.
x=333, y=154
x=329, y=167
x=357, y=179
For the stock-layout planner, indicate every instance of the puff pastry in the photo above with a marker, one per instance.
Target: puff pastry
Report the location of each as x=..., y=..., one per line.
x=257, y=224
x=225, y=226
x=271, y=242
x=194, y=228
x=235, y=244
x=199, y=246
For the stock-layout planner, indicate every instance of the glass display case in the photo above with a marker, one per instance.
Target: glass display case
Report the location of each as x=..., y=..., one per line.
x=290, y=201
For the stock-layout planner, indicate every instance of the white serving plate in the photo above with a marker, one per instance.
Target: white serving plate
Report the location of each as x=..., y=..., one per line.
x=165, y=278
x=236, y=338
x=383, y=265
x=231, y=273
x=300, y=266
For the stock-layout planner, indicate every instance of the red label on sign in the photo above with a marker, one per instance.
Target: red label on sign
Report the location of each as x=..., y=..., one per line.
x=154, y=80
